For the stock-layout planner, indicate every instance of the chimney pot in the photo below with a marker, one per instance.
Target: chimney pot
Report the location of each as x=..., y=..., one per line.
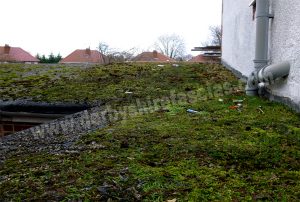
x=155, y=54
x=88, y=51
x=6, y=49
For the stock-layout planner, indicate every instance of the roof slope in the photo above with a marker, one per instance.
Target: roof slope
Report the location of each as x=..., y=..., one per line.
x=15, y=54
x=199, y=58
x=84, y=56
x=202, y=58
x=137, y=151
x=152, y=57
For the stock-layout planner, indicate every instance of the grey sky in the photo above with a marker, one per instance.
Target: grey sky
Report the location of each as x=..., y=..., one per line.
x=45, y=26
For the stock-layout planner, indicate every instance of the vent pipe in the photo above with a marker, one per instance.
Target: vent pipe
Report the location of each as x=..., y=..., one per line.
x=264, y=75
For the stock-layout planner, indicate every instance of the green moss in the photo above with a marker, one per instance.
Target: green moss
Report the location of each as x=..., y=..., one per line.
x=218, y=154
x=103, y=83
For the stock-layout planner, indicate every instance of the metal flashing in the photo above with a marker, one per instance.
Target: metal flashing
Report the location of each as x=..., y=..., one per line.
x=253, y=2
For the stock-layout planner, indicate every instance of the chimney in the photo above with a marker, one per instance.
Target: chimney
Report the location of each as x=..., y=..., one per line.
x=6, y=49
x=155, y=55
x=88, y=51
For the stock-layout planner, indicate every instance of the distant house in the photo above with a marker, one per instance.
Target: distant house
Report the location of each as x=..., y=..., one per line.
x=202, y=58
x=152, y=57
x=84, y=56
x=199, y=58
x=15, y=55
x=209, y=54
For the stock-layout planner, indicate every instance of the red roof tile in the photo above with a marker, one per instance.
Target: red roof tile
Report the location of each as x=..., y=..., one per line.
x=152, y=57
x=14, y=54
x=198, y=58
x=204, y=59
x=84, y=56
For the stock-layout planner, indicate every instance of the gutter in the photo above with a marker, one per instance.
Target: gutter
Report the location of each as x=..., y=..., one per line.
x=24, y=117
x=42, y=107
x=31, y=112
x=264, y=74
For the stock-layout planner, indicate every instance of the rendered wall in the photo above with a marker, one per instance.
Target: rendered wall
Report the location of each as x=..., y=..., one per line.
x=284, y=45
x=238, y=32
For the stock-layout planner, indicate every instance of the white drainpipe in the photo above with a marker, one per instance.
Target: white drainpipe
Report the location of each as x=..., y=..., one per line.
x=264, y=74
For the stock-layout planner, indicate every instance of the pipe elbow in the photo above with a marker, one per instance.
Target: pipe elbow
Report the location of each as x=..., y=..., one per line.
x=266, y=76
x=270, y=74
x=252, y=84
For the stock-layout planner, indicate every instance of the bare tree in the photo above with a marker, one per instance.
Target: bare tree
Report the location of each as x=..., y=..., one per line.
x=128, y=55
x=216, y=35
x=104, y=50
x=170, y=45
x=110, y=55
x=215, y=38
x=187, y=57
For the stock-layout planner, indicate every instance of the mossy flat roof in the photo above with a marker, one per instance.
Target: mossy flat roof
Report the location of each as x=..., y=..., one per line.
x=234, y=148
x=59, y=83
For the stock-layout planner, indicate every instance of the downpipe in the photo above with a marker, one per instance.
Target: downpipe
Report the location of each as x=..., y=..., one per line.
x=264, y=74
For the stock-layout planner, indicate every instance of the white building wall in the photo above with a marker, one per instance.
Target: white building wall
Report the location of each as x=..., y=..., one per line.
x=285, y=45
x=239, y=41
x=238, y=32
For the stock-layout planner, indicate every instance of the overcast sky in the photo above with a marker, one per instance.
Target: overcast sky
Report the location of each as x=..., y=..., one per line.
x=61, y=26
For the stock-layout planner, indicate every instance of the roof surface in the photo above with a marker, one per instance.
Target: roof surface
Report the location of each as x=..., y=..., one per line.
x=16, y=55
x=152, y=57
x=199, y=58
x=84, y=56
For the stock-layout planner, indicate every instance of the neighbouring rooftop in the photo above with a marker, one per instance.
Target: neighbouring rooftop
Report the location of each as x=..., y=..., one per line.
x=15, y=54
x=84, y=56
x=152, y=57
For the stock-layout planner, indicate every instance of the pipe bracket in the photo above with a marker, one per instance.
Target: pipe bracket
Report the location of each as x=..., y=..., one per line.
x=269, y=15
